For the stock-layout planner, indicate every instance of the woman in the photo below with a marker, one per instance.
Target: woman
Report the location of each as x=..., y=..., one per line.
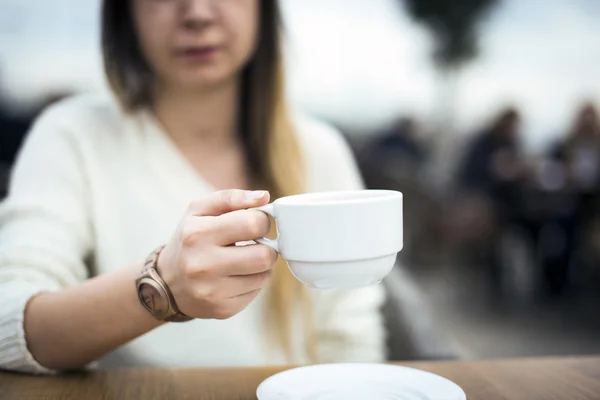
x=201, y=109
x=578, y=156
x=580, y=150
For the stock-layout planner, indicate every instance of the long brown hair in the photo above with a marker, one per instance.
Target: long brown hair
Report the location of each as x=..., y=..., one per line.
x=268, y=134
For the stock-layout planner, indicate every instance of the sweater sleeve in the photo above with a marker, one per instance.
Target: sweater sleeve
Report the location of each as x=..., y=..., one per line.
x=45, y=232
x=349, y=323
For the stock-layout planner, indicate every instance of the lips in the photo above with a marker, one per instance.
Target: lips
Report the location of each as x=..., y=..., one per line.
x=199, y=53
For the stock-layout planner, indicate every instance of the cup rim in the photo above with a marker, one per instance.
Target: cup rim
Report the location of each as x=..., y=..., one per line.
x=356, y=197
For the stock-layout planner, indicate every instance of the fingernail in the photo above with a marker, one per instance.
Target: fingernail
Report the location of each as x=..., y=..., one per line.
x=255, y=195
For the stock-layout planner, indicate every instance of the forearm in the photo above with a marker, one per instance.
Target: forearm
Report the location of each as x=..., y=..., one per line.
x=73, y=327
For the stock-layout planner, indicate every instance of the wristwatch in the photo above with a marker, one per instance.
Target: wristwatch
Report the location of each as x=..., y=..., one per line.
x=154, y=294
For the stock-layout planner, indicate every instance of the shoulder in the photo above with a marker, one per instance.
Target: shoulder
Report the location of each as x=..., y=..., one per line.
x=319, y=138
x=82, y=124
x=328, y=156
x=75, y=130
x=83, y=112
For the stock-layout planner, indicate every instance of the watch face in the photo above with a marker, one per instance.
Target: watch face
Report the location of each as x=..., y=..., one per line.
x=152, y=299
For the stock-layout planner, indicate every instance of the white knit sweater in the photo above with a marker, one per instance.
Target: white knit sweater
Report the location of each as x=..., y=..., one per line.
x=84, y=199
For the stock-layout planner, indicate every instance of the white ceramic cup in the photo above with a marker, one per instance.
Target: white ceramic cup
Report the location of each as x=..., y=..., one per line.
x=338, y=240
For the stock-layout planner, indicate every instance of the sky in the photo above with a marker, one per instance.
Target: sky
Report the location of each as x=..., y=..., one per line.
x=358, y=63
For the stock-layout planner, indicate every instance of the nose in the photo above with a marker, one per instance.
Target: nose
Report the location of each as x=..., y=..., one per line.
x=198, y=13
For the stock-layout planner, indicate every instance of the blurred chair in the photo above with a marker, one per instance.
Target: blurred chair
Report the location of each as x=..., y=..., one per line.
x=423, y=209
x=4, y=178
x=412, y=331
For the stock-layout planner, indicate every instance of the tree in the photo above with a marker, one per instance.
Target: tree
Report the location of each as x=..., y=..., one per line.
x=454, y=25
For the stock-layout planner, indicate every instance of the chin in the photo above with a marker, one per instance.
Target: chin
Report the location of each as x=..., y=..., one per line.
x=205, y=78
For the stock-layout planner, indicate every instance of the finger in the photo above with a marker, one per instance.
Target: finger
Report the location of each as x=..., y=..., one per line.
x=241, y=226
x=246, y=260
x=233, y=260
x=238, y=286
x=225, y=201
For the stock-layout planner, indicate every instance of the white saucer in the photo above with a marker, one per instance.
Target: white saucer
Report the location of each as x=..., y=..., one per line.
x=358, y=381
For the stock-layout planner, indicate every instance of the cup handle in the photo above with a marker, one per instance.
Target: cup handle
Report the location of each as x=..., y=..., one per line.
x=268, y=209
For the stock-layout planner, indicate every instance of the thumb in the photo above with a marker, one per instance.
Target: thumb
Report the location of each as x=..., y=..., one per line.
x=225, y=201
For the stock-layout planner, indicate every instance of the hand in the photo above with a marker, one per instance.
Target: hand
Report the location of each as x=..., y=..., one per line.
x=208, y=275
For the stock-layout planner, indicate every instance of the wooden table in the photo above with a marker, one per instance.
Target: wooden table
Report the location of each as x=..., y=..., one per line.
x=518, y=379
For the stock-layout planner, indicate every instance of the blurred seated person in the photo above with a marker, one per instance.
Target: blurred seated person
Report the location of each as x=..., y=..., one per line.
x=489, y=182
x=493, y=166
x=576, y=162
x=163, y=173
x=401, y=147
x=579, y=152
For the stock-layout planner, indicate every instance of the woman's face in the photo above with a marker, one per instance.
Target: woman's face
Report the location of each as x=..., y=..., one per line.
x=196, y=44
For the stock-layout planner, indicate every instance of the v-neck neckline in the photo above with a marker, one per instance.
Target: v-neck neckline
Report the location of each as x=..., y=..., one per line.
x=170, y=160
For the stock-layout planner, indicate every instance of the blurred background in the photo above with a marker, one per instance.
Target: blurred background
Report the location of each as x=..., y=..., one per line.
x=482, y=112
